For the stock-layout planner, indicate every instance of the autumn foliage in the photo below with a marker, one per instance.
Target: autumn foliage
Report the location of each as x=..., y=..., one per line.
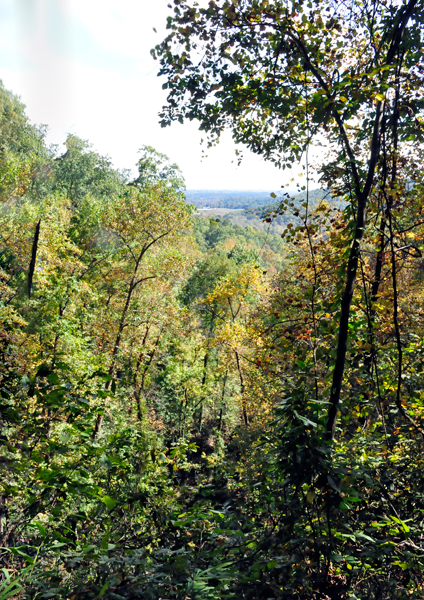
x=188, y=412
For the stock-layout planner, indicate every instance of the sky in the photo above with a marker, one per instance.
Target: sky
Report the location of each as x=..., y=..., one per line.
x=84, y=67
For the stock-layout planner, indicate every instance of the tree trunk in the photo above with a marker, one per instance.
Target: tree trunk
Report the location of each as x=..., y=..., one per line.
x=352, y=267
x=242, y=390
x=362, y=196
x=118, y=340
x=205, y=364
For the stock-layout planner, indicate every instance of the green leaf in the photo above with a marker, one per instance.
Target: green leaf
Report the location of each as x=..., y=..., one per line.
x=12, y=587
x=305, y=420
x=40, y=528
x=403, y=565
x=110, y=502
x=334, y=483
x=363, y=536
x=53, y=379
x=103, y=591
x=10, y=590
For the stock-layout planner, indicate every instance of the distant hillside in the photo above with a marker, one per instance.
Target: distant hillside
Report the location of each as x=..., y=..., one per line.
x=314, y=196
x=214, y=233
x=253, y=216
x=227, y=199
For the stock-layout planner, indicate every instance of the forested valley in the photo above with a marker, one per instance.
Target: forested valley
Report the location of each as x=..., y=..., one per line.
x=191, y=409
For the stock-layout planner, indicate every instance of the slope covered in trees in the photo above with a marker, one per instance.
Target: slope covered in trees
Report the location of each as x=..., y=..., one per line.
x=227, y=199
x=222, y=233
x=179, y=420
x=275, y=217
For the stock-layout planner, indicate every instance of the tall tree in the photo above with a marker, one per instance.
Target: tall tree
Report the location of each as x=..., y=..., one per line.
x=81, y=171
x=140, y=224
x=282, y=75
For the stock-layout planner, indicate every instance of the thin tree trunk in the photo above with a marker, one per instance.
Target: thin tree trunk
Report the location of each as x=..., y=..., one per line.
x=344, y=318
x=352, y=266
x=205, y=365
x=242, y=390
x=136, y=371
x=373, y=297
x=140, y=389
x=221, y=410
x=362, y=195
x=399, y=404
x=118, y=340
x=121, y=329
x=33, y=257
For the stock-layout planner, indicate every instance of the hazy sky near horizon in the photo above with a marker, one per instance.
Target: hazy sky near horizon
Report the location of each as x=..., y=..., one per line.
x=84, y=67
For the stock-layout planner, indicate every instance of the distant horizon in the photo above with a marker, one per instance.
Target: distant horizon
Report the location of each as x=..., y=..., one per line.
x=264, y=191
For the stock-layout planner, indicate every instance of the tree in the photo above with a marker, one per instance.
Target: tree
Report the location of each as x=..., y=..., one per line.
x=140, y=224
x=286, y=74
x=154, y=167
x=23, y=155
x=81, y=171
x=224, y=289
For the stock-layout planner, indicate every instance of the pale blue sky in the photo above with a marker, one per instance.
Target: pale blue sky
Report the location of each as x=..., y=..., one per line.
x=84, y=67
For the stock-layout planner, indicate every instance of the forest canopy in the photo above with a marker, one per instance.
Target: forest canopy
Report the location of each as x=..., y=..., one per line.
x=191, y=409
